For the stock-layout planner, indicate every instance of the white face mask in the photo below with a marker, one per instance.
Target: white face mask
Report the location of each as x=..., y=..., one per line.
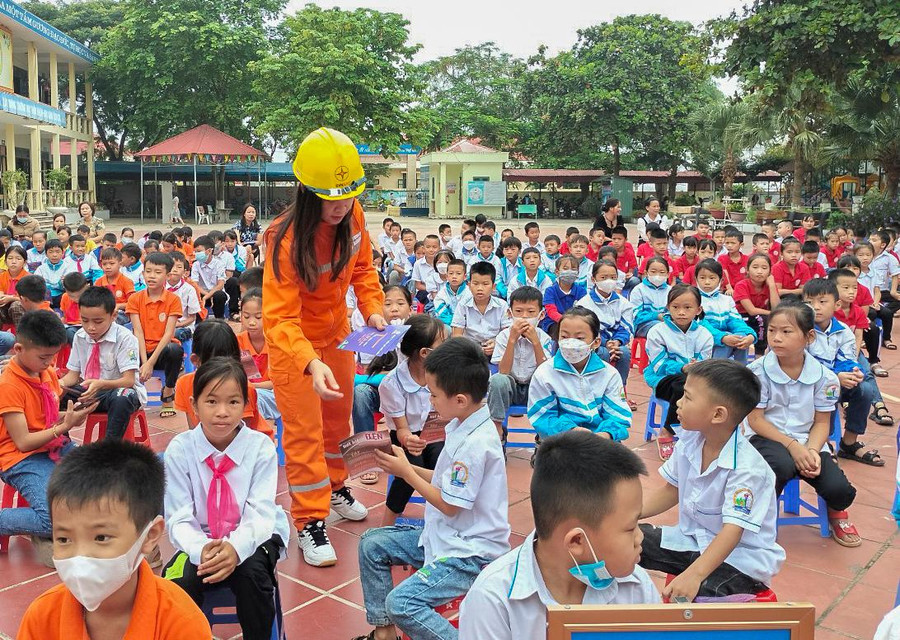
x=93, y=580
x=468, y=245
x=397, y=322
x=657, y=281
x=442, y=267
x=127, y=240
x=574, y=350
x=534, y=322
x=606, y=286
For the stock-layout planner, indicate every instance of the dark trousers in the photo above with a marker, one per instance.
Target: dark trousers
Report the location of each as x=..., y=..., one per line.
x=219, y=298
x=170, y=361
x=400, y=492
x=831, y=483
x=872, y=335
x=118, y=405
x=725, y=580
x=889, y=306
x=71, y=330
x=670, y=389
x=252, y=583
x=760, y=326
x=233, y=289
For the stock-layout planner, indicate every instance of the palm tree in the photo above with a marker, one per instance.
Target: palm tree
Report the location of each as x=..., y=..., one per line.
x=718, y=144
x=866, y=126
x=796, y=120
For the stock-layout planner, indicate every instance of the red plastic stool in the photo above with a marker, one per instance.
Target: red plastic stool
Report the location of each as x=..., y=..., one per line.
x=10, y=499
x=766, y=595
x=639, y=358
x=447, y=609
x=98, y=421
x=62, y=359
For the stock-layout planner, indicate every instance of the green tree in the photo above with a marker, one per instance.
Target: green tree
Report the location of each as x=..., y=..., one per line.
x=350, y=70
x=718, y=143
x=626, y=88
x=475, y=92
x=866, y=127
x=807, y=44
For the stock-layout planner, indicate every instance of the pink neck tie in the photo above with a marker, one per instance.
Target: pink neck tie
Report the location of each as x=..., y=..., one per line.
x=50, y=404
x=92, y=367
x=221, y=507
x=78, y=264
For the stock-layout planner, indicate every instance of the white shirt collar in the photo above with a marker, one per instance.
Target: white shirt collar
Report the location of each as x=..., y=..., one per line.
x=404, y=377
x=235, y=450
x=810, y=374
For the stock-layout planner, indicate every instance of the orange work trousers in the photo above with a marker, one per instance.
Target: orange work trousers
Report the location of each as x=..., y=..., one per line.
x=313, y=430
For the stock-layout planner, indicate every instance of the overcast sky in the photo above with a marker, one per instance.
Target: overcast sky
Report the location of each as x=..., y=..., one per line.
x=519, y=27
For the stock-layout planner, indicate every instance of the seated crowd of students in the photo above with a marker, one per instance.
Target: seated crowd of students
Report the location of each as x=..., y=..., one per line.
x=495, y=322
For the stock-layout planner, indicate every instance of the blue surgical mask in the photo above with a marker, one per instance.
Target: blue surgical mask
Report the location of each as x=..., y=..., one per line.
x=594, y=575
x=200, y=256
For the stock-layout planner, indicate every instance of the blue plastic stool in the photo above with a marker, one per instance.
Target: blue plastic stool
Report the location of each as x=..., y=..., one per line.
x=410, y=522
x=651, y=429
x=188, y=346
x=518, y=410
x=223, y=598
x=161, y=375
x=790, y=502
x=279, y=448
x=835, y=435
x=413, y=499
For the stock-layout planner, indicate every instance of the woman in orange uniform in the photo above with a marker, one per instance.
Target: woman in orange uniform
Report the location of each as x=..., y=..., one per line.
x=314, y=251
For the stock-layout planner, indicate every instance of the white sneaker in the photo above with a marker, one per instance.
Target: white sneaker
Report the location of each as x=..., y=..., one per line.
x=315, y=546
x=346, y=506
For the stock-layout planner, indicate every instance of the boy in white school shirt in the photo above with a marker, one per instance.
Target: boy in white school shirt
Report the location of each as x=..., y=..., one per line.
x=586, y=501
x=724, y=542
x=209, y=272
x=481, y=316
x=466, y=520
x=519, y=350
x=104, y=362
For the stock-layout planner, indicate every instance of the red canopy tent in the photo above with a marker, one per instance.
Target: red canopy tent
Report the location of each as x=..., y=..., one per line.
x=204, y=145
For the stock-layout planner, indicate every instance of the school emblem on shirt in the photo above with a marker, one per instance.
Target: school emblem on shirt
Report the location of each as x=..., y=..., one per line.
x=162, y=317
x=743, y=501
x=132, y=355
x=119, y=293
x=832, y=392
x=459, y=474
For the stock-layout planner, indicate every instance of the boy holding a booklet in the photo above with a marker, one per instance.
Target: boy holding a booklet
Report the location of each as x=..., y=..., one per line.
x=406, y=405
x=466, y=520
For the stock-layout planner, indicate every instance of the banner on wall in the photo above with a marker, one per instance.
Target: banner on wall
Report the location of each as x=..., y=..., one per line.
x=6, y=60
x=486, y=193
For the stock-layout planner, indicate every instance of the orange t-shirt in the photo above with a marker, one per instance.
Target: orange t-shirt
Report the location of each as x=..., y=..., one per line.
x=18, y=396
x=8, y=282
x=162, y=611
x=184, y=389
x=153, y=314
x=261, y=358
x=187, y=248
x=71, y=314
x=122, y=288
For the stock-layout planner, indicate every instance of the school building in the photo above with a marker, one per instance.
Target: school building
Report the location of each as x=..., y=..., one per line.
x=44, y=75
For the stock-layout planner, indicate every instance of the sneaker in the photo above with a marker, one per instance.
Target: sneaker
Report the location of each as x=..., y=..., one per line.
x=346, y=506
x=314, y=543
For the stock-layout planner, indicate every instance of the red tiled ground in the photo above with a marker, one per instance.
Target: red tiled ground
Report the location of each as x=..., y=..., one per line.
x=851, y=588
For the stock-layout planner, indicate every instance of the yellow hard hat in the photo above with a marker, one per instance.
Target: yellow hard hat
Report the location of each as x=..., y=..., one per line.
x=327, y=164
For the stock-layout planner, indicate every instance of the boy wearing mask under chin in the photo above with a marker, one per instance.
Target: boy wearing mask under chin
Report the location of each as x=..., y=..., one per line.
x=583, y=550
x=562, y=294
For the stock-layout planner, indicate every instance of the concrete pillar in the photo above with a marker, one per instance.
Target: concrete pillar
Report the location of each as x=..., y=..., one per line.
x=72, y=96
x=89, y=114
x=73, y=162
x=54, y=81
x=10, y=140
x=54, y=151
x=35, y=157
x=442, y=192
x=33, y=88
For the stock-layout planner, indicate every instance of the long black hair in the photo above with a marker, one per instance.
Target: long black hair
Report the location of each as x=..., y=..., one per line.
x=253, y=226
x=303, y=216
